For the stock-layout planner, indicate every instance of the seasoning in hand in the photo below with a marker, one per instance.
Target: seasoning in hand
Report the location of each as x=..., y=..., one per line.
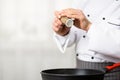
x=68, y=22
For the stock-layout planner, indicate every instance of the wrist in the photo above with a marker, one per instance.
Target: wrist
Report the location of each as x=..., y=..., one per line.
x=65, y=33
x=86, y=25
x=87, y=28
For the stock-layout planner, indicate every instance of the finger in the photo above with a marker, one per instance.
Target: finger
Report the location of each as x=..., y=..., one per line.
x=57, y=23
x=79, y=16
x=70, y=11
x=57, y=14
x=55, y=27
x=57, y=20
x=58, y=28
x=74, y=16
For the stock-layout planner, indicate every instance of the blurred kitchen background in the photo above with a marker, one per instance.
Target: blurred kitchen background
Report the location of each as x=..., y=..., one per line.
x=26, y=39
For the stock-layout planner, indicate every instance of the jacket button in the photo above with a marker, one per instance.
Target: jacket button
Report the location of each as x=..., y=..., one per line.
x=88, y=15
x=77, y=54
x=84, y=36
x=103, y=18
x=92, y=57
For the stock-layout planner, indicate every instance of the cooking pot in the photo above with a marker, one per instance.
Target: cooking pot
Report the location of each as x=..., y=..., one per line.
x=77, y=74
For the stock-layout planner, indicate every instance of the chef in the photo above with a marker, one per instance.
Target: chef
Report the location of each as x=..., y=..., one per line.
x=95, y=33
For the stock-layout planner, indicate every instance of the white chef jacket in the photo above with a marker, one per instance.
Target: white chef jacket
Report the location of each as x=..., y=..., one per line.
x=101, y=43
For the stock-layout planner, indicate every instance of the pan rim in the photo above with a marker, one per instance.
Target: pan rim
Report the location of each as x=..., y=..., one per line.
x=45, y=72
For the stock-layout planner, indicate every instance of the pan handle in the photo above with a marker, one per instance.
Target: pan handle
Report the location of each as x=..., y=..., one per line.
x=109, y=68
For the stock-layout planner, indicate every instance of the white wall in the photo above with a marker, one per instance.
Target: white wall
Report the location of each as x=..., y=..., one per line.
x=26, y=43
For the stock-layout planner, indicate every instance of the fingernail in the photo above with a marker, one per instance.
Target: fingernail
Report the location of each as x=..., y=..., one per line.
x=59, y=16
x=73, y=18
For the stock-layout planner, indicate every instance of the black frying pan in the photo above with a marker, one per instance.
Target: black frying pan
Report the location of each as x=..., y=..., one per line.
x=76, y=74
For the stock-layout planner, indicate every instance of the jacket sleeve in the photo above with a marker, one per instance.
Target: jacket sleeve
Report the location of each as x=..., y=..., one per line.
x=105, y=35
x=66, y=41
x=105, y=38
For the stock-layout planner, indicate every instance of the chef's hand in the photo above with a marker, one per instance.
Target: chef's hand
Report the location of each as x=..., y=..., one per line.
x=80, y=20
x=58, y=26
